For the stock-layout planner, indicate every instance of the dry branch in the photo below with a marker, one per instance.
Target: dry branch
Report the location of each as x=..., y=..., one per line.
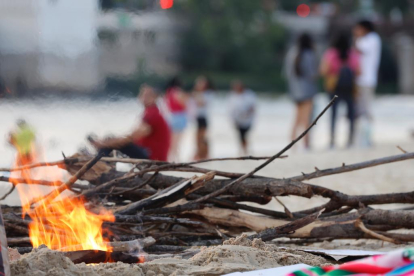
x=273, y=233
x=354, y=167
x=68, y=184
x=268, y=161
x=168, y=195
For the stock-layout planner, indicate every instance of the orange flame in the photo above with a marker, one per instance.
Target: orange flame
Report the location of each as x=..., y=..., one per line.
x=64, y=224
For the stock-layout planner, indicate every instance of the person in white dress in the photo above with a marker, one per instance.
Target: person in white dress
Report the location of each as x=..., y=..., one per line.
x=242, y=110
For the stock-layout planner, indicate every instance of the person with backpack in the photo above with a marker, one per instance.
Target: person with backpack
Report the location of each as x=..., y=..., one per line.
x=339, y=67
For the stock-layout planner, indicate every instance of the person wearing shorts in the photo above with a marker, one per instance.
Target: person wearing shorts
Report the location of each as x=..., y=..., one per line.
x=150, y=140
x=176, y=102
x=242, y=110
x=202, y=96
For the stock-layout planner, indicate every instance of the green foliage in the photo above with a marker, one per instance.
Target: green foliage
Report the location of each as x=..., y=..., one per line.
x=230, y=36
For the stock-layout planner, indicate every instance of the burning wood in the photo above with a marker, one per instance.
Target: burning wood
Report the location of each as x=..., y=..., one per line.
x=122, y=212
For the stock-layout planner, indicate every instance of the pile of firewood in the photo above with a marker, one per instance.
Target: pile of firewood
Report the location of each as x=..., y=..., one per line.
x=169, y=214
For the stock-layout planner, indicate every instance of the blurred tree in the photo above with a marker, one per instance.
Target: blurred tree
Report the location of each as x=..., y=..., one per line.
x=231, y=36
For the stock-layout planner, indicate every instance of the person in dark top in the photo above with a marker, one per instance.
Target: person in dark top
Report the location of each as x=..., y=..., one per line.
x=150, y=140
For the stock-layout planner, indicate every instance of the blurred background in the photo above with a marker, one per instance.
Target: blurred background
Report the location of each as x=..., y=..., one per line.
x=71, y=68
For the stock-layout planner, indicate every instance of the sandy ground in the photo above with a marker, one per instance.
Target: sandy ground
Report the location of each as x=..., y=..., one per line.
x=235, y=255
x=62, y=126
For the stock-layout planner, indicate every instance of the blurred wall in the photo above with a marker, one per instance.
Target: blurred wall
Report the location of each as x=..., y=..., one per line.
x=49, y=44
x=138, y=43
x=404, y=45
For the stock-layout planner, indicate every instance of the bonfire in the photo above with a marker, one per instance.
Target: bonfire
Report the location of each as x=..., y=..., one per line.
x=118, y=216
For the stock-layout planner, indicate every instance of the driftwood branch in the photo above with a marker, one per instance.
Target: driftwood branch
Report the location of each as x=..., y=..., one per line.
x=354, y=167
x=268, y=161
x=273, y=233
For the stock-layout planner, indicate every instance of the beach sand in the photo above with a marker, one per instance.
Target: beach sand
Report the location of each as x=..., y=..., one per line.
x=71, y=122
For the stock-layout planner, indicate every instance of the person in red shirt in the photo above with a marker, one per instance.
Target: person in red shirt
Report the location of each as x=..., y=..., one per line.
x=150, y=140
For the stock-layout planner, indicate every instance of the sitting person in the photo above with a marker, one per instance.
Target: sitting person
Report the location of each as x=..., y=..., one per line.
x=150, y=140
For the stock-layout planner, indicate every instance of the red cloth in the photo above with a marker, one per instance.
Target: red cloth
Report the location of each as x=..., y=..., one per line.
x=331, y=56
x=174, y=105
x=158, y=142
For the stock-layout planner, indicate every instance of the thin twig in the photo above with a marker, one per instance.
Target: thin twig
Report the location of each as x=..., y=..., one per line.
x=148, y=181
x=287, y=211
x=268, y=161
x=353, y=167
x=130, y=161
x=8, y=193
x=359, y=224
x=68, y=184
x=401, y=149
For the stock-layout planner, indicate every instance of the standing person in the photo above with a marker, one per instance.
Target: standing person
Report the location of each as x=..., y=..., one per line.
x=202, y=95
x=150, y=140
x=368, y=44
x=23, y=139
x=339, y=67
x=176, y=101
x=242, y=109
x=302, y=73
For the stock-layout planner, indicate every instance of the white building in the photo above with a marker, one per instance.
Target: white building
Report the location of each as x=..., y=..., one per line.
x=54, y=44
x=49, y=44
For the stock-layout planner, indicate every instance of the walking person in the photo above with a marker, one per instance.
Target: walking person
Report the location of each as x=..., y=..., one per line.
x=339, y=67
x=150, y=139
x=302, y=72
x=176, y=102
x=242, y=110
x=368, y=44
x=202, y=95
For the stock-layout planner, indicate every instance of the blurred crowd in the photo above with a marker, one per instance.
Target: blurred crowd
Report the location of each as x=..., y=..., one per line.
x=349, y=68
x=159, y=134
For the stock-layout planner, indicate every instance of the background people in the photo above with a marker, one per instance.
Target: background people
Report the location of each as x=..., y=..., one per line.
x=176, y=100
x=339, y=67
x=150, y=140
x=242, y=110
x=202, y=95
x=23, y=139
x=301, y=66
x=368, y=44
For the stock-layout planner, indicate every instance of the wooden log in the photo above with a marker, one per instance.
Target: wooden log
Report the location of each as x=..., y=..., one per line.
x=141, y=219
x=97, y=256
x=175, y=209
x=168, y=195
x=18, y=241
x=160, y=249
x=273, y=233
x=237, y=206
x=339, y=227
x=120, y=246
x=15, y=229
x=180, y=234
